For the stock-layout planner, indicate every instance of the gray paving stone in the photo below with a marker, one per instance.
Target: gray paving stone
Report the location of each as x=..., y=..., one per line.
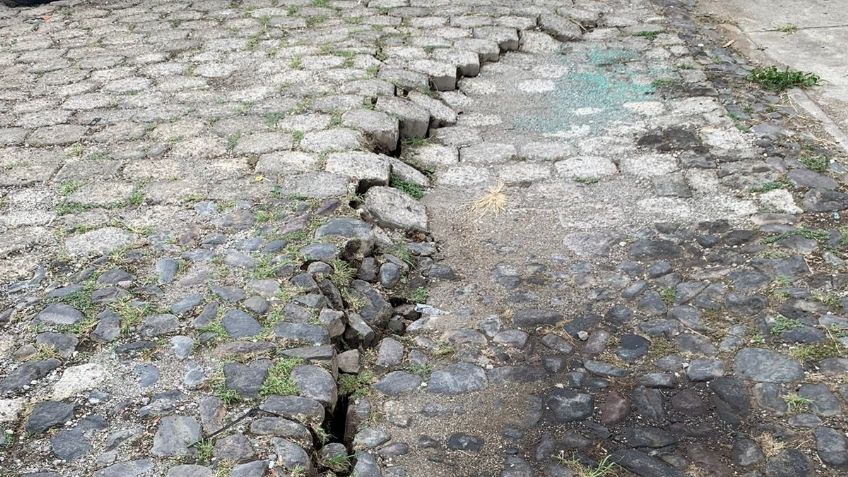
x=414, y=119
x=392, y=208
x=763, y=365
x=368, y=168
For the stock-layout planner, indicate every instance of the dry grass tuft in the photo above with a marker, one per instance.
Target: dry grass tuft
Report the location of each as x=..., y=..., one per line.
x=771, y=446
x=493, y=201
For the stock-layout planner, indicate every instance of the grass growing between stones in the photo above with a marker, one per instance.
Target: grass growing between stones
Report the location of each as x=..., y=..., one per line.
x=355, y=385
x=342, y=273
x=409, y=188
x=336, y=463
x=771, y=185
x=817, y=163
x=796, y=403
x=226, y=395
x=773, y=79
x=813, y=234
x=130, y=313
x=649, y=35
x=322, y=435
x=204, y=449
x=782, y=323
x=279, y=380
x=423, y=370
x=668, y=295
x=787, y=28
x=216, y=328
x=830, y=348
x=419, y=295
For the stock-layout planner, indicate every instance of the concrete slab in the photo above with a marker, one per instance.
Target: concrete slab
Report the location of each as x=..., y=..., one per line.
x=818, y=45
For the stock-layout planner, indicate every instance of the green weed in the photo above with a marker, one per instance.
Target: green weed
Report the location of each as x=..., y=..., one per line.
x=411, y=189
x=796, y=403
x=342, y=273
x=771, y=185
x=650, y=35
x=419, y=295
x=817, y=163
x=279, y=381
x=355, y=385
x=782, y=323
x=773, y=79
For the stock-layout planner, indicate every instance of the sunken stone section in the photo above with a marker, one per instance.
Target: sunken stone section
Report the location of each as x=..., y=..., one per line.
x=218, y=261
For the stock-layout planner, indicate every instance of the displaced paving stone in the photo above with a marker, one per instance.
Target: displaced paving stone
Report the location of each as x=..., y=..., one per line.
x=368, y=168
x=382, y=129
x=560, y=28
x=392, y=208
x=306, y=410
x=414, y=120
x=316, y=383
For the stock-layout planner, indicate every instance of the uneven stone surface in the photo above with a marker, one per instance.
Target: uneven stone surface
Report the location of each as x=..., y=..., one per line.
x=408, y=238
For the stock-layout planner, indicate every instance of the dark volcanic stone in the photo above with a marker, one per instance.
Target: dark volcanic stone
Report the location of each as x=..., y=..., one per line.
x=644, y=465
x=48, y=414
x=70, y=444
x=245, y=379
x=647, y=249
x=457, y=378
x=466, y=442
x=789, y=463
x=26, y=373
x=765, y=365
x=746, y=452
x=632, y=347
x=531, y=318
x=240, y=325
x=832, y=447
x=397, y=383
x=566, y=405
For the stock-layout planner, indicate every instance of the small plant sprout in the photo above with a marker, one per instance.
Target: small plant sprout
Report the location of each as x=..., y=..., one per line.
x=796, y=403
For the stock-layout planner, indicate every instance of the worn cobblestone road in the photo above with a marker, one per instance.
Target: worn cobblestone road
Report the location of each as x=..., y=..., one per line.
x=411, y=238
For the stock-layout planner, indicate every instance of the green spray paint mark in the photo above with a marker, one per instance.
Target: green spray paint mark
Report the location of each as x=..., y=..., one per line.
x=599, y=86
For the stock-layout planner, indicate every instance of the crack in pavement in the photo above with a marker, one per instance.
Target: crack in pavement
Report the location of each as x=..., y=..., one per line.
x=217, y=262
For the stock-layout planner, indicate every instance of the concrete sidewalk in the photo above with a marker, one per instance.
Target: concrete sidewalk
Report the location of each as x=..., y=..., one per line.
x=818, y=45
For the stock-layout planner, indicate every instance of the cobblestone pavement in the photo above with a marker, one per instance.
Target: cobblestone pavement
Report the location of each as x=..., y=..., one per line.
x=411, y=238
